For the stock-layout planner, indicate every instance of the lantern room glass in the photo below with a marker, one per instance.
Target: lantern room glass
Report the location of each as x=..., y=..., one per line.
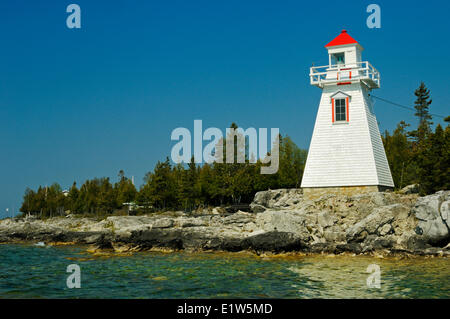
x=338, y=58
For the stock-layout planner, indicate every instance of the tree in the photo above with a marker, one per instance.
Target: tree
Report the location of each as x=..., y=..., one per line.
x=124, y=189
x=28, y=204
x=434, y=163
x=189, y=188
x=422, y=105
x=74, y=203
x=160, y=188
x=292, y=163
x=107, y=200
x=400, y=157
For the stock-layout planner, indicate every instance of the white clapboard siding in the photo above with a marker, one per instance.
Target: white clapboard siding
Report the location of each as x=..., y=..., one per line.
x=346, y=154
x=382, y=165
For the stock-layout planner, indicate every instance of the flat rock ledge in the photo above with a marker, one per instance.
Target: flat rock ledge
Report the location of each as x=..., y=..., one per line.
x=280, y=221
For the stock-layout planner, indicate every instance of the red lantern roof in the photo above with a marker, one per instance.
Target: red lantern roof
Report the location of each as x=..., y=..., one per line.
x=341, y=39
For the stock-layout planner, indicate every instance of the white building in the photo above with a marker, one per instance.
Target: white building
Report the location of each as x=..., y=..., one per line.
x=346, y=153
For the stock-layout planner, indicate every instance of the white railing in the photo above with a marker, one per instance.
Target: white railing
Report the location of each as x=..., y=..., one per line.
x=332, y=74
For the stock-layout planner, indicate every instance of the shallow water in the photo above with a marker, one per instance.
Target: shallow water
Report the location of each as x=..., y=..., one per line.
x=40, y=272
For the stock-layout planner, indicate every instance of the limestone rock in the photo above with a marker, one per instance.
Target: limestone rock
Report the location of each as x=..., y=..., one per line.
x=190, y=222
x=410, y=189
x=334, y=236
x=163, y=223
x=427, y=210
x=385, y=229
x=281, y=220
x=325, y=219
x=279, y=198
x=218, y=211
x=445, y=212
x=257, y=208
x=377, y=219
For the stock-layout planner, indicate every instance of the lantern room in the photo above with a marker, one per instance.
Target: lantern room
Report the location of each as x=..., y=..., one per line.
x=345, y=65
x=344, y=50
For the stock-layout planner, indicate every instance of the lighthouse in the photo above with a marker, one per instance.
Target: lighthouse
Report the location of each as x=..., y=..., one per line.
x=346, y=154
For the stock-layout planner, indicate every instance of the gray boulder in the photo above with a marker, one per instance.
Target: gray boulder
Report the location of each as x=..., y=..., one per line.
x=279, y=198
x=410, y=189
x=257, y=208
x=375, y=222
x=445, y=212
x=432, y=212
x=262, y=198
x=325, y=219
x=334, y=236
x=283, y=221
x=163, y=223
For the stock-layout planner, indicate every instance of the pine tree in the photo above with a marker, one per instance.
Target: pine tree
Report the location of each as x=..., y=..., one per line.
x=160, y=191
x=292, y=162
x=400, y=157
x=422, y=105
x=445, y=160
x=124, y=189
x=434, y=163
x=74, y=205
x=28, y=201
x=188, y=191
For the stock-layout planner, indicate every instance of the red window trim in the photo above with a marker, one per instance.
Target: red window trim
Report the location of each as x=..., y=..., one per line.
x=346, y=110
x=332, y=110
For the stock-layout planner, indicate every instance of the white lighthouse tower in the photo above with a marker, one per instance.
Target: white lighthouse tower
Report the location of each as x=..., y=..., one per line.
x=346, y=154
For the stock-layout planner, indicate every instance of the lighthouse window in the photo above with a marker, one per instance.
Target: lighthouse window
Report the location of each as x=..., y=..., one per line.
x=340, y=109
x=338, y=58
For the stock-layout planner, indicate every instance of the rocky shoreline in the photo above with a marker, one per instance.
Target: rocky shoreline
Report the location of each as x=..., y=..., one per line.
x=279, y=221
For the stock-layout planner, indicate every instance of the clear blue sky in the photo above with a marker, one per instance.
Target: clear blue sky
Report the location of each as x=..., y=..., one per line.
x=77, y=104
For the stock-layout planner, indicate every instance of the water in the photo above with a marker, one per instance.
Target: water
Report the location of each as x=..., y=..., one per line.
x=28, y=271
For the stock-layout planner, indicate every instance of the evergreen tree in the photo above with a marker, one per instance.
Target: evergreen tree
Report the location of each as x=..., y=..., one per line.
x=188, y=187
x=292, y=162
x=125, y=190
x=107, y=200
x=74, y=203
x=434, y=163
x=28, y=201
x=400, y=157
x=445, y=160
x=422, y=105
x=160, y=189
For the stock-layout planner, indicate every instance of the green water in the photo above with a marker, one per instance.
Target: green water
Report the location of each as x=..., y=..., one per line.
x=40, y=272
